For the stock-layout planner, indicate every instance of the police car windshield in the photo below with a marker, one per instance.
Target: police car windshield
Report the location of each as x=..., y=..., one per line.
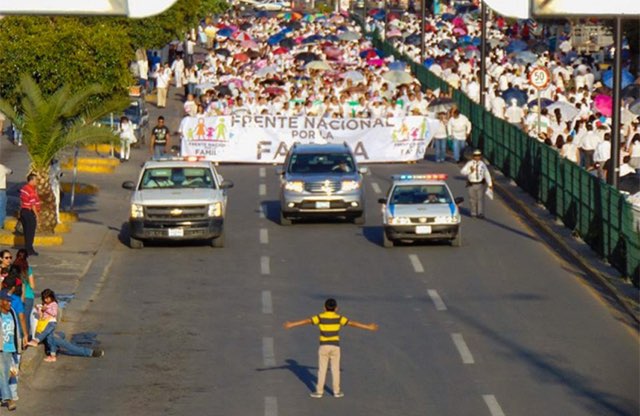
x=177, y=178
x=321, y=163
x=420, y=194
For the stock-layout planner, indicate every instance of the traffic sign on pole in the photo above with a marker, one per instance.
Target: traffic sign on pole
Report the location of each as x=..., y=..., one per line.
x=539, y=77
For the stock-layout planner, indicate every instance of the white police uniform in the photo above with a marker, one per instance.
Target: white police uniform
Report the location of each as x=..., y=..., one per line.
x=478, y=178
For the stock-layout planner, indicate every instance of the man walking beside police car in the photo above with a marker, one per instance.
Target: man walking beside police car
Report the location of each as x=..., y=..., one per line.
x=478, y=179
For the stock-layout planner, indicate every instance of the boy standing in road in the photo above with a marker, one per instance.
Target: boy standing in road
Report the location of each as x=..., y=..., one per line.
x=159, y=139
x=329, y=322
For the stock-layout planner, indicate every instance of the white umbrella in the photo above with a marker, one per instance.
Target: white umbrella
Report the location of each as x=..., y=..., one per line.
x=318, y=65
x=267, y=70
x=355, y=76
x=568, y=111
x=398, y=77
x=349, y=36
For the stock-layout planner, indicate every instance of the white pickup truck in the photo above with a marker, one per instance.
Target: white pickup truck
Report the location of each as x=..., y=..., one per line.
x=177, y=199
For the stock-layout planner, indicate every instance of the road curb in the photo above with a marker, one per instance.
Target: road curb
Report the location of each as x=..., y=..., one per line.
x=89, y=285
x=80, y=188
x=14, y=240
x=594, y=275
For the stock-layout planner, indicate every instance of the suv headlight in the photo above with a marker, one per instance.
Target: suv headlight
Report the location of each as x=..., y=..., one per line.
x=447, y=219
x=350, y=185
x=399, y=220
x=215, y=210
x=294, y=186
x=137, y=211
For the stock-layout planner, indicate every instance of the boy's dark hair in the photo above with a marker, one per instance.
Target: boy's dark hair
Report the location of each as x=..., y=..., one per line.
x=30, y=177
x=161, y=118
x=48, y=293
x=330, y=304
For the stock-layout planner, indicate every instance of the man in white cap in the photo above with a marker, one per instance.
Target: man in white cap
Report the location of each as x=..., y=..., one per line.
x=478, y=179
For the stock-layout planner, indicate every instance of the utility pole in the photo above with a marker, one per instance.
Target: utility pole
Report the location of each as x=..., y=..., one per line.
x=483, y=52
x=423, y=12
x=613, y=173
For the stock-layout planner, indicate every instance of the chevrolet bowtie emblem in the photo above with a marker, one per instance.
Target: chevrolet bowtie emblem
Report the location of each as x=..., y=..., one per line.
x=423, y=220
x=326, y=188
x=176, y=212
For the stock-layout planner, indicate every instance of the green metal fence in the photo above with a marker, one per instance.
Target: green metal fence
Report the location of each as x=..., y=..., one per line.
x=597, y=212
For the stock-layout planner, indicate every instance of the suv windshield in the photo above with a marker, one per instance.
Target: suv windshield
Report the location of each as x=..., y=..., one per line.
x=321, y=163
x=177, y=178
x=420, y=194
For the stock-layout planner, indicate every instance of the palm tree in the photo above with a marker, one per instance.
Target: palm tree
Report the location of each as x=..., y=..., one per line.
x=51, y=124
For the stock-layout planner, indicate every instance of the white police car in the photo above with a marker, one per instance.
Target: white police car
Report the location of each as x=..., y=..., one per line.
x=420, y=207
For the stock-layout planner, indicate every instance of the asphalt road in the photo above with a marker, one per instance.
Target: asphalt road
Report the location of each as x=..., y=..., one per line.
x=500, y=326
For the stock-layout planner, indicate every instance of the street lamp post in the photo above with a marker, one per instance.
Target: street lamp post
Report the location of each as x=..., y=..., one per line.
x=423, y=12
x=483, y=51
x=613, y=172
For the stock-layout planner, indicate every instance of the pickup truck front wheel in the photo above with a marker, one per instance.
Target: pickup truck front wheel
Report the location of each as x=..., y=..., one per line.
x=135, y=243
x=218, y=242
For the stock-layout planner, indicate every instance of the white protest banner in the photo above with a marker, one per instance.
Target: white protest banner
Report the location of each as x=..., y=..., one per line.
x=266, y=139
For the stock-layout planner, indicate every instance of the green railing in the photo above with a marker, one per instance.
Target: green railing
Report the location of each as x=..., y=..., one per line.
x=595, y=211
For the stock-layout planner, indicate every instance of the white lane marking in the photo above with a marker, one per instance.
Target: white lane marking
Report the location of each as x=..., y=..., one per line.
x=268, y=355
x=261, y=209
x=462, y=348
x=264, y=236
x=263, y=172
x=267, y=303
x=270, y=406
x=262, y=189
x=376, y=187
x=493, y=405
x=415, y=262
x=437, y=300
x=265, y=267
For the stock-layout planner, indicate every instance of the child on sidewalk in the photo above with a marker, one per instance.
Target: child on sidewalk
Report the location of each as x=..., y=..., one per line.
x=47, y=320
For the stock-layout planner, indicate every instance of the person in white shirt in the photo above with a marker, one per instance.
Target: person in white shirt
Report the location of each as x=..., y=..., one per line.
x=55, y=174
x=4, y=171
x=178, y=71
x=162, y=82
x=440, y=137
x=514, y=114
x=459, y=128
x=602, y=154
x=127, y=136
x=588, y=146
x=570, y=151
x=473, y=90
x=478, y=180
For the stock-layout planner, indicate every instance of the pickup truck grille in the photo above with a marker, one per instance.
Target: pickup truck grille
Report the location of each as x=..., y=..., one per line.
x=323, y=187
x=423, y=220
x=177, y=213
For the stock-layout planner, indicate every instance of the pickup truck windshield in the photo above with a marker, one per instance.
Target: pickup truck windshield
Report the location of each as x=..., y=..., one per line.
x=420, y=194
x=321, y=163
x=177, y=178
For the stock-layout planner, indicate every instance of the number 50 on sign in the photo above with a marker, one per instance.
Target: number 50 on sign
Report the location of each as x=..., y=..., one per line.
x=539, y=77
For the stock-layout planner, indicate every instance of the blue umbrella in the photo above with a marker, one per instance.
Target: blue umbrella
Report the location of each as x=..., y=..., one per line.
x=396, y=66
x=447, y=16
x=379, y=16
x=516, y=46
x=275, y=39
x=626, y=80
x=513, y=93
x=428, y=62
x=544, y=103
x=413, y=39
x=262, y=13
x=569, y=57
x=476, y=41
x=286, y=30
x=332, y=38
x=526, y=57
x=226, y=32
x=312, y=39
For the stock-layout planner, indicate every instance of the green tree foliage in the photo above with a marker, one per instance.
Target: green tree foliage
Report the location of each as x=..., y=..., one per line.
x=52, y=123
x=156, y=31
x=57, y=51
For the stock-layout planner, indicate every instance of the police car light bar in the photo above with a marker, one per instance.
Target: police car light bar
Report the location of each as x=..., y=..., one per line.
x=180, y=159
x=428, y=176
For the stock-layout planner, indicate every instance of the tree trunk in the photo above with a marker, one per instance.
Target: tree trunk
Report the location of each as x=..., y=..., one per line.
x=47, y=219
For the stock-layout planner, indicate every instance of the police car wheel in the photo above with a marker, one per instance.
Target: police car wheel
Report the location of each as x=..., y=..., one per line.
x=386, y=242
x=135, y=243
x=457, y=241
x=284, y=220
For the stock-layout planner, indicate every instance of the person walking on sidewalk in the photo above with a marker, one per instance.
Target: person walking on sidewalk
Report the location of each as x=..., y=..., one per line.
x=329, y=322
x=29, y=208
x=478, y=179
x=4, y=171
x=459, y=128
x=159, y=139
x=28, y=283
x=11, y=344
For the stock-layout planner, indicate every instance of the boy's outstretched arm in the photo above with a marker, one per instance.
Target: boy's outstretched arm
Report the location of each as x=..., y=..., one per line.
x=302, y=322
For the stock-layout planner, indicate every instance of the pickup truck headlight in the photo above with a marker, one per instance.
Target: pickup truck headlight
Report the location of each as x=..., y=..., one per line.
x=399, y=221
x=350, y=185
x=215, y=210
x=294, y=186
x=137, y=211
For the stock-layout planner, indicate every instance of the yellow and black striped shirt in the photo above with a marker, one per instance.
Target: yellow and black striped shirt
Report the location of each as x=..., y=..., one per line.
x=329, y=324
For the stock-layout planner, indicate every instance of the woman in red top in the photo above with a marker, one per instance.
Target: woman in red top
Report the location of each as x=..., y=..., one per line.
x=29, y=208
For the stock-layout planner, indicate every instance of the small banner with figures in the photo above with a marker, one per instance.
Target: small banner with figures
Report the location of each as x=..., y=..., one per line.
x=266, y=138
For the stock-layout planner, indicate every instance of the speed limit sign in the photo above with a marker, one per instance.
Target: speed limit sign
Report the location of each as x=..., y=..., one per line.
x=539, y=77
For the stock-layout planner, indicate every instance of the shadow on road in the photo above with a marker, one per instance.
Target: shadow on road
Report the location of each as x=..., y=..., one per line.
x=302, y=372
